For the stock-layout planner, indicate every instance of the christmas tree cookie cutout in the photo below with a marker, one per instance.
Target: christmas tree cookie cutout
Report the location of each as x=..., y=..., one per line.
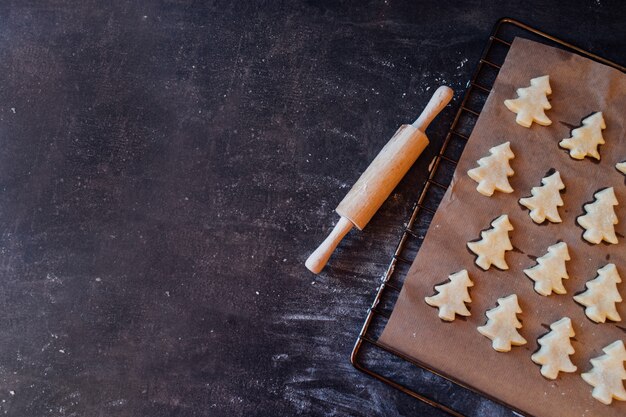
x=600, y=218
x=493, y=171
x=601, y=295
x=546, y=200
x=585, y=139
x=502, y=324
x=607, y=374
x=532, y=102
x=550, y=270
x=452, y=296
x=555, y=349
x=493, y=244
x=621, y=167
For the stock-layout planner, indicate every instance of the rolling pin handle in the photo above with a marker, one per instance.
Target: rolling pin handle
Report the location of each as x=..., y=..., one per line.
x=318, y=259
x=438, y=101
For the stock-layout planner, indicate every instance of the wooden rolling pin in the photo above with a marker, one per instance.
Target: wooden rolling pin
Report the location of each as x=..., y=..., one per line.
x=380, y=178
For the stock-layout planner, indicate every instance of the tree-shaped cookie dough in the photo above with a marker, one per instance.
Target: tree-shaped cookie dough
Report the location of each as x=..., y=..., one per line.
x=550, y=270
x=546, y=200
x=452, y=296
x=555, y=349
x=607, y=374
x=602, y=295
x=532, y=102
x=493, y=171
x=493, y=244
x=600, y=218
x=585, y=139
x=502, y=325
x=621, y=167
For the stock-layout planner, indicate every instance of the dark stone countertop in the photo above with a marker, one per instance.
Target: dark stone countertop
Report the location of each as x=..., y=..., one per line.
x=167, y=166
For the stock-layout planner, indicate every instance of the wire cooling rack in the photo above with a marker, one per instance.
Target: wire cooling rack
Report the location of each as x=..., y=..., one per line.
x=383, y=362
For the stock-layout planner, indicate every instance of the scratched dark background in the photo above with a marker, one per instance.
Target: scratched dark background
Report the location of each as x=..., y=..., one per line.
x=166, y=168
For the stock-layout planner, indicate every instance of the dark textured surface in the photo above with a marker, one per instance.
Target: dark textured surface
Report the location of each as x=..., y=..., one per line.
x=165, y=169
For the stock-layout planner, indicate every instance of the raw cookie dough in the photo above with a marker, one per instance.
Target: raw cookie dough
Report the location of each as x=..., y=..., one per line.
x=502, y=325
x=601, y=295
x=532, y=102
x=600, y=218
x=550, y=270
x=555, y=349
x=493, y=171
x=607, y=374
x=546, y=200
x=452, y=296
x=493, y=244
x=585, y=139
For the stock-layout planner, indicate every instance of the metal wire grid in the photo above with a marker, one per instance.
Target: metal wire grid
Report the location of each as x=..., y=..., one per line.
x=374, y=358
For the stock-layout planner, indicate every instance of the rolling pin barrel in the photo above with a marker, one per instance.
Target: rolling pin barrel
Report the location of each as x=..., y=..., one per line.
x=380, y=178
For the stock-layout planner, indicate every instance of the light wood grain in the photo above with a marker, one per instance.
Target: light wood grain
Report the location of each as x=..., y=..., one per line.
x=318, y=259
x=380, y=178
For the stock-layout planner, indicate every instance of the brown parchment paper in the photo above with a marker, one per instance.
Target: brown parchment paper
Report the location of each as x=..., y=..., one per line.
x=579, y=88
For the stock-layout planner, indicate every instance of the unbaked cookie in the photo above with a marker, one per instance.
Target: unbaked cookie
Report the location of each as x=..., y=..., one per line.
x=493, y=171
x=452, y=296
x=546, y=200
x=585, y=140
x=532, y=102
x=601, y=295
x=555, y=349
x=600, y=218
x=502, y=324
x=607, y=374
x=550, y=270
x=493, y=244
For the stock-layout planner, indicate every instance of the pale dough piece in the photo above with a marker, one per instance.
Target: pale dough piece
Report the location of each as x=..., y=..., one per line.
x=607, y=374
x=502, y=325
x=550, y=270
x=601, y=295
x=585, y=139
x=600, y=218
x=493, y=171
x=493, y=244
x=621, y=167
x=546, y=200
x=555, y=349
x=452, y=296
x=532, y=102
